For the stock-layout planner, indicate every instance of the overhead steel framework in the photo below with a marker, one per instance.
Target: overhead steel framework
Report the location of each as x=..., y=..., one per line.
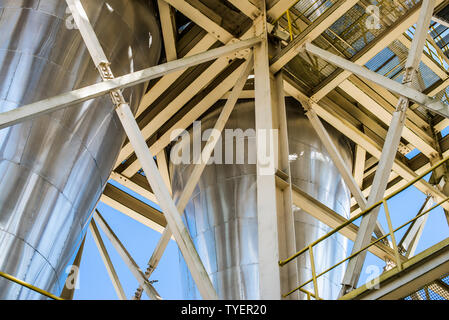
x=384, y=88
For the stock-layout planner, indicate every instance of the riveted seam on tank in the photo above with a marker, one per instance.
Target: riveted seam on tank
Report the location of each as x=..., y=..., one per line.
x=82, y=144
x=43, y=178
x=32, y=247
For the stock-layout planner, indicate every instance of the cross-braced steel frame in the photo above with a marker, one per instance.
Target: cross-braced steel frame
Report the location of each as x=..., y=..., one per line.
x=399, y=124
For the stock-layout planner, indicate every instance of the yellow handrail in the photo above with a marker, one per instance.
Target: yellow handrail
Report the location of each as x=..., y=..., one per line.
x=366, y=211
x=309, y=294
x=290, y=30
x=29, y=286
x=364, y=248
x=277, y=19
x=363, y=213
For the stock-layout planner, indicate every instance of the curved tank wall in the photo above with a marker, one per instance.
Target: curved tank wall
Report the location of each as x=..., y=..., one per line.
x=53, y=169
x=222, y=215
x=313, y=172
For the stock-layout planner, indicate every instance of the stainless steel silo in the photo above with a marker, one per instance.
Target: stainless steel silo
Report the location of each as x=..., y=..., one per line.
x=222, y=216
x=53, y=169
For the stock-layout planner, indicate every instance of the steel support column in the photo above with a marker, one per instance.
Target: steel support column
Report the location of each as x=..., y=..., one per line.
x=269, y=273
x=286, y=218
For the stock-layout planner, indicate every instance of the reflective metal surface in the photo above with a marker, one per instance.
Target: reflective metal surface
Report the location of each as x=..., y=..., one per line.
x=313, y=172
x=222, y=215
x=53, y=169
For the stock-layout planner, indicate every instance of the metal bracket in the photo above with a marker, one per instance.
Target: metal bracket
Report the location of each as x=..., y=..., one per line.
x=105, y=71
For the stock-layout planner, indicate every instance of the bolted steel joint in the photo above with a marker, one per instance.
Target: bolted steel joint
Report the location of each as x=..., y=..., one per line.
x=106, y=74
x=402, y=104
x=105, y=70
x=409, y=75
x=117, y=98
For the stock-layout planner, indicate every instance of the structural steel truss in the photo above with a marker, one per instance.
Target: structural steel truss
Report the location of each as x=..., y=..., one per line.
x=384, y=88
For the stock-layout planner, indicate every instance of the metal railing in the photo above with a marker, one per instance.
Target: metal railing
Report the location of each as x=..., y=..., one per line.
x=291, y=20
x=391, y=232
x=29, y=286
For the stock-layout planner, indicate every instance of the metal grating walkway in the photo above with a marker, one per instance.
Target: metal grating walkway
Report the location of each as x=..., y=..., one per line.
x=436, y=290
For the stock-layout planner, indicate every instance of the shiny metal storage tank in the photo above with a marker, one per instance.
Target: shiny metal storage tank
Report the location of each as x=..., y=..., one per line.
x=53, y=169
x=222, y=215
